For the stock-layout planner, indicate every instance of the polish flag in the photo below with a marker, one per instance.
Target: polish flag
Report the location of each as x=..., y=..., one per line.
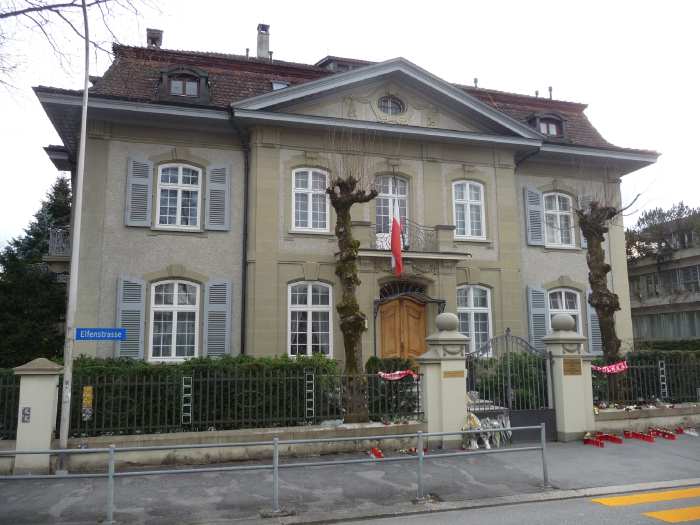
x=396, y=260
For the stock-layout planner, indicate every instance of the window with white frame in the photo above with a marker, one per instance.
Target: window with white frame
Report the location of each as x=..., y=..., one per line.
x=310, y=327
x=468, y=199
x=179, y=196
x=174, y=320
x=392, y=201
x=474, y=313
x=565, y=301
x=309, y=200
x=559, y=220
x=184, y=86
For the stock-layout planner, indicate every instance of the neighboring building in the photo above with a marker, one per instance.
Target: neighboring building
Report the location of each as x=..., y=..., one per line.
x=665, y=292
x=207, y=230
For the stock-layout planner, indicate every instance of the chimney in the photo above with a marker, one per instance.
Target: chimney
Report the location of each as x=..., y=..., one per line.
x=264, y=41
x=154, y=38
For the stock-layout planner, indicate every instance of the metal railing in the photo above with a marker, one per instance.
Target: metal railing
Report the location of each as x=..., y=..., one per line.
x=9, y=405
x=276, y=465
x=415, y=237
x=146, y=403
x=59, y=242
x=674, y=379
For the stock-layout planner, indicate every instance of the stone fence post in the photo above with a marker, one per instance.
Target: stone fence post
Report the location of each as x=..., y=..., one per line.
x=444, y=387
x=571, y=379
x=38, y=401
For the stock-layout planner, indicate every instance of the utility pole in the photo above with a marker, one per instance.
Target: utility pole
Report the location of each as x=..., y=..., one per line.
x=75, y=256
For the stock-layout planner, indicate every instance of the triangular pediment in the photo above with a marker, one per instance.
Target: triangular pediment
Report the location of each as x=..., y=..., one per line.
x=430, y=101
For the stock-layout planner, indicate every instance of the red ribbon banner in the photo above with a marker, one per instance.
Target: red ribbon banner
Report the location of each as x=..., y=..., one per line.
x=615, y=368
x=395, y=376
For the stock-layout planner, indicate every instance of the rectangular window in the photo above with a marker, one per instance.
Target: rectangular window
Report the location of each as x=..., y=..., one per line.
x=468, y=199
x=309, y=201
x=474, y=314
x=559, y=222
x=309, y=319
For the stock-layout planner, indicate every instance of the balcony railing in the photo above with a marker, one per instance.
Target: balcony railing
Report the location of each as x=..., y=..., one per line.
x=59, y=242
x=415, y=238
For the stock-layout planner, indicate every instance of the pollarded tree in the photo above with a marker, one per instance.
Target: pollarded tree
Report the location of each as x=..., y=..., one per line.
x=350, y=185
x=594, y=221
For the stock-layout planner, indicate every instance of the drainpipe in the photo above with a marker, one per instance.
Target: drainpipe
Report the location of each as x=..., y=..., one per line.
x=244, y=137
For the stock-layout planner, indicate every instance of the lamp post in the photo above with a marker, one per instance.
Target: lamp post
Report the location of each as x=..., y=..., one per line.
x=75, y=252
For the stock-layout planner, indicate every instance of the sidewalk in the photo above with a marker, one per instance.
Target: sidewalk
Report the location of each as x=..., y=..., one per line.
x=329, y=493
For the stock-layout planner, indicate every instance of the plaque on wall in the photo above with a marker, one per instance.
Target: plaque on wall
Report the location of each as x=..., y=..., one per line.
x=572, y=366
x=453, y=373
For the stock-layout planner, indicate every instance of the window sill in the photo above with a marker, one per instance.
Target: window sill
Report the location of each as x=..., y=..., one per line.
x=562, y=249
x=480, y=240
x=311, y=233
x=186, y=233
x=169, y=360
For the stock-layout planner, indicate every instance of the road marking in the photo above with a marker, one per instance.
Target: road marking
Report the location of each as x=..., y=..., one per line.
x=649, y=497
x=676, y=515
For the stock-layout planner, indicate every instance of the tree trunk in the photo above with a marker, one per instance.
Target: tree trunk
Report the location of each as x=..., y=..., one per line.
x=594, y=225
x=343, y=194
x=352, y=320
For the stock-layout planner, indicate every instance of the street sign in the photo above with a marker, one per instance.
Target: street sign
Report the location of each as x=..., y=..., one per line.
x=100, y=334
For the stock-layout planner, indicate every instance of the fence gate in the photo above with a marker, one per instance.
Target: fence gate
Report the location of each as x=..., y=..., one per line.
x=508, y=378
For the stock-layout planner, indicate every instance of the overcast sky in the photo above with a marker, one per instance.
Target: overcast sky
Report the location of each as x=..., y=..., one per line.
x=635, y=63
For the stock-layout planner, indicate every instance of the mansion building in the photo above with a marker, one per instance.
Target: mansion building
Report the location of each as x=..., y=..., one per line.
x=206, y=228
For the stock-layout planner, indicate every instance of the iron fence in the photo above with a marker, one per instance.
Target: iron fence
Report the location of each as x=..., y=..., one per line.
x=673, y=379
x=414, y=237
x=141, y=403
x=9, y=405
x=513, y=381
x=59, y=242
x=423, y=440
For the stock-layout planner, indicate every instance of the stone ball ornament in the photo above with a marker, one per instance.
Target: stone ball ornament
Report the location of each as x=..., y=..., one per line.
x=563, y=323
x=447, y=322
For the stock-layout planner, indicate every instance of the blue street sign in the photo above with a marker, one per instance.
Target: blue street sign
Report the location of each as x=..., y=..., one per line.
x=100, y=334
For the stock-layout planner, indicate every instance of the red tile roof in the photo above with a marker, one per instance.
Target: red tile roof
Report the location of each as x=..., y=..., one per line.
x=136, y=72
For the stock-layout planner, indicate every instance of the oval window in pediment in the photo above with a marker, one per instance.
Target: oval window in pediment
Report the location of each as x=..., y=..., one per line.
x=391, y=105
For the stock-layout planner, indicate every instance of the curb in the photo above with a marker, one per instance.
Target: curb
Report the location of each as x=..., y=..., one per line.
x=412, y=509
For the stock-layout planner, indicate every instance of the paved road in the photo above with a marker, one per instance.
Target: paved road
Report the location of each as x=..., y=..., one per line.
x=351, y=491
x=647, y=508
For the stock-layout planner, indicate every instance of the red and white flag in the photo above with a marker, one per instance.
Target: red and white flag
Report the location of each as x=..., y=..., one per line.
x=396, y=260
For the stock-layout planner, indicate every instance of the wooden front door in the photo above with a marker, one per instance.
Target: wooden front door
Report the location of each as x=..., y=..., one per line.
x=403, y=328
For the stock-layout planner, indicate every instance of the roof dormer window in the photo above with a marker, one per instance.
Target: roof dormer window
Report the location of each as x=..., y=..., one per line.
x=549, y=126
x=184, y=86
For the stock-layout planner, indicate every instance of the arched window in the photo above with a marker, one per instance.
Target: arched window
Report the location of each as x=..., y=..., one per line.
x=309, y=200
x=309, y=321
x=564, y=301
x=468, y=209
x=474, y=313
x=559, y=220
x=179, y=196
x=174, y=320
x=392, y=201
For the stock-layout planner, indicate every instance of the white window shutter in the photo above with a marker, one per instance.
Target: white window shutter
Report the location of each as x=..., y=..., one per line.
x=217, y=318
x=534, y=216
x=131, y=307
x=139, y=184
x=537, y=316
x=218, y=207
x=595, y=339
